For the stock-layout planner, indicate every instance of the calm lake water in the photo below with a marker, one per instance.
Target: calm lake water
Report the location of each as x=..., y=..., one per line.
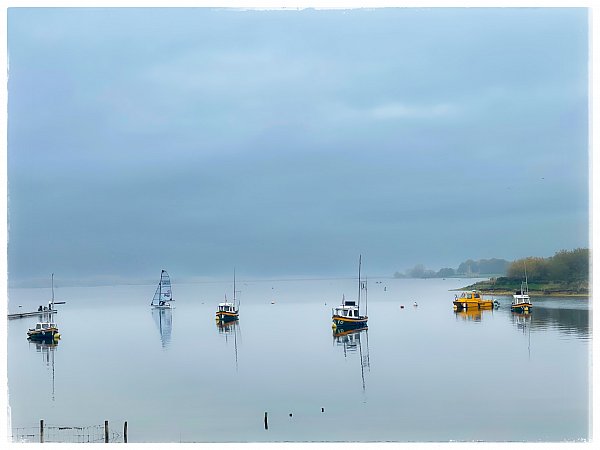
x=420, y=373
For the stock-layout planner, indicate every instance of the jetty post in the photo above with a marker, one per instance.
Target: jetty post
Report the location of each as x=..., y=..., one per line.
x=106, y=431
x=125, y=432
x=41, y=431
x=266, y=422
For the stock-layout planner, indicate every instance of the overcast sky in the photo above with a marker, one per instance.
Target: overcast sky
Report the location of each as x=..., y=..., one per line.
x=288, y=142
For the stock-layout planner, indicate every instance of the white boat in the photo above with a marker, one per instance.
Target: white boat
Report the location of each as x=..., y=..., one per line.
x=347, y=315
x=521, y=301
x=228, y=311
x=163, y=295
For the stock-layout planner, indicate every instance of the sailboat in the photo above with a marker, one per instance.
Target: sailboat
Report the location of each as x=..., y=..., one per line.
x=347, y=315
x=163, y=296
x=228, y=311
x=521, y=301
x=45, y=331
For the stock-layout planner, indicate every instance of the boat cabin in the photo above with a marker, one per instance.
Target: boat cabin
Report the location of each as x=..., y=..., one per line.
x=226, y=307
x=344, y=311
x=44, y=326
x=347, y=309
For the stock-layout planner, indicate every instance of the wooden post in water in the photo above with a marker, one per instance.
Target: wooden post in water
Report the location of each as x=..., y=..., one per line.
x=41, y=431
x=106, y=431
x=125, y=432
x=266, y=423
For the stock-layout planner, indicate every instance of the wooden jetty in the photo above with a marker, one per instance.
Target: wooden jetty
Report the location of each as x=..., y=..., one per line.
x=30, y=314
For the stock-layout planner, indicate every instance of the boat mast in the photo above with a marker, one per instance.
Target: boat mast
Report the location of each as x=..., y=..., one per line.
x=366, y=284
x=234, y=288
x=160, y=285
x=359, y=261
x=52, y=305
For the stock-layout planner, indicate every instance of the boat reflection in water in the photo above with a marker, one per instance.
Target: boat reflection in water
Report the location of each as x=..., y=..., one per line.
x=164, y=321
x=352, y=342
x=521, y=320
x=472, y=315
x=230, y=330
x=46, y=349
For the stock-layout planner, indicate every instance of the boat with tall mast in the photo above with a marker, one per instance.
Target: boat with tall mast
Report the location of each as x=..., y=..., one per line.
x=228, y=311
x=521, y=302
x=45, y=331
x=347, y=316
x=163, y=296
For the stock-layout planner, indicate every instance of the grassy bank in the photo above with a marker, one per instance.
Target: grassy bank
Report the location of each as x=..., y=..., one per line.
x=508, y=286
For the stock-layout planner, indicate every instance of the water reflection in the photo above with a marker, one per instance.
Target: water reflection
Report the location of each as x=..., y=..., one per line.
x=473, y=314
x=164, y=320
x=352, y=342
x=46, y=349
x=573, y=322
x=521, y=320
x=230, y=330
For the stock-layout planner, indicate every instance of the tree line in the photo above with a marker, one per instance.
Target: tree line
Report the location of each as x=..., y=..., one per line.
x=468, y=268
x=565, y=265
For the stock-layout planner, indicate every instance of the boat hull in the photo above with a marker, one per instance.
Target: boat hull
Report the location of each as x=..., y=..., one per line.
x=43, y=336
x=460, y=304
x=348, y=323
x=226, y=317
x=522, y=308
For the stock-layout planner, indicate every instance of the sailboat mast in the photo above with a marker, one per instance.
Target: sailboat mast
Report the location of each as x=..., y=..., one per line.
x=359, y=261
x=52, y=307
x=366, y=287
x=234, y=287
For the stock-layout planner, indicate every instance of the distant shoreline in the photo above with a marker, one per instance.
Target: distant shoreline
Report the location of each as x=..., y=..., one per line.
x=531, y=293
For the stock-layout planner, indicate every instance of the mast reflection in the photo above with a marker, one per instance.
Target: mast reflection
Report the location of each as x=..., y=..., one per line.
x=164, y=321
x=522, y=321
x=230, y=330
x=46, y=349
x=352, y=342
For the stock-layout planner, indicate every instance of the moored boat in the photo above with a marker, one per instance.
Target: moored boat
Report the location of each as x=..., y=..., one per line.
x=228, y=311
x=473, y=300
x=347, y=316
x=45, y=331
x=521, y=301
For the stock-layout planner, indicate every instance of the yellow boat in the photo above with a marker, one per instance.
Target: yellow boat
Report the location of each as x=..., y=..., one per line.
x=473, y=300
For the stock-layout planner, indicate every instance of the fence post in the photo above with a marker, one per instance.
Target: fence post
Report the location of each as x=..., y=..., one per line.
x=42, y=431
x=106, y=431
x=125, y=432
x=266, y=422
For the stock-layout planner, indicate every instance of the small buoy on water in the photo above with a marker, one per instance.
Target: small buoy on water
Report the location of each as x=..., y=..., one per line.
x=290, y=414
x=322, y=409
x=401, y=306
x=272, y=302
x=415, y=304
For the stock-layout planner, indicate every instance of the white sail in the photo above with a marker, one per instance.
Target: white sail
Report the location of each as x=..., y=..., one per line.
x=163, y=290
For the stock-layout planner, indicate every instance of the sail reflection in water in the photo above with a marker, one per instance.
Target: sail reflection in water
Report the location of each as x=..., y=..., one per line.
x=46, y=349
x=230, y=330
x=164, y=321
x=352, y=342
